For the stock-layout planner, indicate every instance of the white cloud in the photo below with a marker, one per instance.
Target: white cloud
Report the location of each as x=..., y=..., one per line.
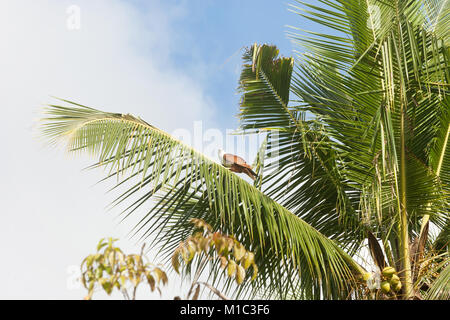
x=119, y=60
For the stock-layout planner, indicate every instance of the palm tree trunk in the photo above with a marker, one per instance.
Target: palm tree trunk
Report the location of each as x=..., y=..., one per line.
x=404, y=238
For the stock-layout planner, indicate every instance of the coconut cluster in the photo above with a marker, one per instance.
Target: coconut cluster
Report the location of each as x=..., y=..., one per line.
x=391, y=280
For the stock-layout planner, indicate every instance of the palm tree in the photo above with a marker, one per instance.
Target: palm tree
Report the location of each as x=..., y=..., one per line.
x=356, y=155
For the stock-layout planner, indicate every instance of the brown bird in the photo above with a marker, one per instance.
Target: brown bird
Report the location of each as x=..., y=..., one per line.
x=236, y=164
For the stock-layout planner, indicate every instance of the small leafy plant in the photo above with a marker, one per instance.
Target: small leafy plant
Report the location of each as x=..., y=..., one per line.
x=110, y=268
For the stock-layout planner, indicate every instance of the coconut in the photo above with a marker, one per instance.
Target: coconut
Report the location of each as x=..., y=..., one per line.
x=394, y=280
x=388, y=272
x=385, y=286
x=397, y=286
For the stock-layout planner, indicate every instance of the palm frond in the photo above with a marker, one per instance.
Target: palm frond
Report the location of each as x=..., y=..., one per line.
x=267, y=93
x=190, y=185
x=440, y=288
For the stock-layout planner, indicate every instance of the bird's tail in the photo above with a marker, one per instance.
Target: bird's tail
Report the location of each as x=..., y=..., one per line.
x=250, y=173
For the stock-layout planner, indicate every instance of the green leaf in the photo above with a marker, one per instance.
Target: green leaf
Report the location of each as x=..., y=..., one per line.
x=238, y=251
x=240, y=274
x=231, y=268
x=176, y=261
x=248, y=260
x=101, y=244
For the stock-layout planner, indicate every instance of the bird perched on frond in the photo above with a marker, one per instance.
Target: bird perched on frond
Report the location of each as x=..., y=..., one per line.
x=236, y=164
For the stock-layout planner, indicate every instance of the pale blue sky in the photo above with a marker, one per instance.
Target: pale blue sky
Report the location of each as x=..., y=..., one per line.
x=170, y=62
x=219, y=29
x=210, y=35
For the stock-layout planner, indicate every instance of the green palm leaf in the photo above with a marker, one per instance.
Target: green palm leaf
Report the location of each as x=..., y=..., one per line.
x=189, y=185
x=265, y=82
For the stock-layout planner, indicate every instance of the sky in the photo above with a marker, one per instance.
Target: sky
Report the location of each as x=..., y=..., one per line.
x=175, y=64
